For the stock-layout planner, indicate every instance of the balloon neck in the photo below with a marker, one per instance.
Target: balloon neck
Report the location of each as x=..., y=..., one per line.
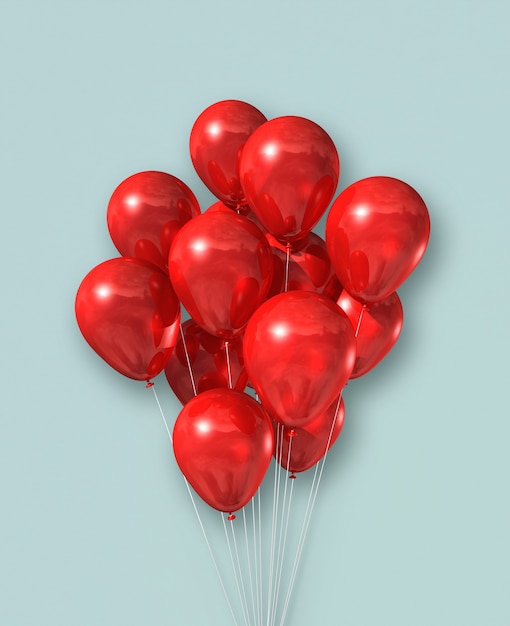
x=149, y=384
x=242, y=209
x=231, y=517
x=294, y=245
x=292, y=476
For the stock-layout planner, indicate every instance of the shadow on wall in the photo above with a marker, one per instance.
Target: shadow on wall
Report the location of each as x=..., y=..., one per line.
x=425, y=304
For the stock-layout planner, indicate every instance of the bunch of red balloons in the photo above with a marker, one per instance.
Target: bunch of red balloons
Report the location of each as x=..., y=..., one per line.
x=272, y=305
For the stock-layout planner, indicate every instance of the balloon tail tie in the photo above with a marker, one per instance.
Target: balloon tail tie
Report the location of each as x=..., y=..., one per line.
x=188, y=361
x=149, y=384
x=229, y=369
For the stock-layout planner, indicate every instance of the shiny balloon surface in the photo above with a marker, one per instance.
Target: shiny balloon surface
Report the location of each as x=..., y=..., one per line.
x=376, y=233
x=129, y=314
x=216, y=141
x=299, y=351
x=378, y=327
x=200, y=363
x=221, y=268
x=223, y=443
x=303, y=267
x=289, y=170
x=146, y=211
x=299, y=449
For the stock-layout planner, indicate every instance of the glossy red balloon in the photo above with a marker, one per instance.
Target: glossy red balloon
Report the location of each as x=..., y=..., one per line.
x=216, y=140
x=289, y=170
x=378, y=329
x=376, y=234
x=208, y=362
x=310, y=443
x=309, y=268
x=146, y=211
x=127, y=311
x=223, y=442
x=299, y=351
x=221, y=267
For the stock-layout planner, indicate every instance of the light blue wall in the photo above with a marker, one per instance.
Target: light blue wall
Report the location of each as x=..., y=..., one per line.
x=412, y=522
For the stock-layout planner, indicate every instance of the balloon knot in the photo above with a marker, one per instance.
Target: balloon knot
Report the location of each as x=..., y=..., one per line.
x=231, y=517
x=241, y=209
x=292, y=476
x=149, y=384
x=292, y=433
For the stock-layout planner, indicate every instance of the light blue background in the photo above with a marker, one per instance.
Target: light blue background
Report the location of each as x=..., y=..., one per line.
x=412, y=521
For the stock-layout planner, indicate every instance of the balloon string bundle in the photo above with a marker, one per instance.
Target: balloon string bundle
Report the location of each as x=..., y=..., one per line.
x=280, y=524
x=273, y=307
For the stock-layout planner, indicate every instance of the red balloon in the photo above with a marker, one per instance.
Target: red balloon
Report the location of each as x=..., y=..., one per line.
x=310, y=443
x=299, y=351
x=128, y=313
x=309, y=267
x=223, y=442
x=376, y=234
x=289, y=170
x=146, y=211
x=378, y=329
x=221, y=268
x=207, y=358
x=216, y=140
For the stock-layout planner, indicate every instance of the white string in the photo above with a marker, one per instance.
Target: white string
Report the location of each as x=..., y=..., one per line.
x=249, y=566
x=260, y=558
x=286, y=529
x=281, y=548
x=280, y=454
x=229, y=371
x=153, y=387
x=240, y=572
x=255, y=560
x=359, y=320
x=310, y=497
x=188, y=361
x=306, y=522
x=274, y=523
x=287, y=259
x=234, y=569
